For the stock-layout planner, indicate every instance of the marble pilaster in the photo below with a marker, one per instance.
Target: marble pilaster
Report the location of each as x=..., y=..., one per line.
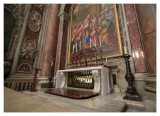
x=49, y=52
x=62, y=40
x=17, y=51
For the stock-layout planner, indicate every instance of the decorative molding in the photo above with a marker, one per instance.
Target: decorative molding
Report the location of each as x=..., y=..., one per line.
x=41, y=38
x=64, y=16
x=21, y=75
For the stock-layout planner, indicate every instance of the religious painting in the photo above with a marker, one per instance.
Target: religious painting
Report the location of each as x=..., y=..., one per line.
x=94, y=27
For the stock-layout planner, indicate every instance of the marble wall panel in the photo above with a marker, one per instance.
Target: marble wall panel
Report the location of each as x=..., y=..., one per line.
x=137, y=50
x=147, y=19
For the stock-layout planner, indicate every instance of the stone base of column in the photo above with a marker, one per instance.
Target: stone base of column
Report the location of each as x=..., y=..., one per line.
x=150, y=84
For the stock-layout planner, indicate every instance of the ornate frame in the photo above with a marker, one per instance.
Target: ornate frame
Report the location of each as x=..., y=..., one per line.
x=107, y=25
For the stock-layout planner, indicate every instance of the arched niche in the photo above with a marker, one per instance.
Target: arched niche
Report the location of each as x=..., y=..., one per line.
x=9, y=23
x=13, y=19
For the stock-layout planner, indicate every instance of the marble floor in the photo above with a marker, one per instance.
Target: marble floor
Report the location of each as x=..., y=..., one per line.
x=40, y=101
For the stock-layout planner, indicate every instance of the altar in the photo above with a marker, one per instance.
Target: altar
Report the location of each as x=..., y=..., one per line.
x=95, y=79
x=89, y=81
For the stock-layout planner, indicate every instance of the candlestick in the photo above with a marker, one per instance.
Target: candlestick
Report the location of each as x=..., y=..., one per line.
x=131, y=92
x=33, y=89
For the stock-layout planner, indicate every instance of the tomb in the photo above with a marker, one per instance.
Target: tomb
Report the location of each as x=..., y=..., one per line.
x=82, y=82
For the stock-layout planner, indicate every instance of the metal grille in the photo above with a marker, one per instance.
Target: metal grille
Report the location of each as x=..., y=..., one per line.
x=81, y=79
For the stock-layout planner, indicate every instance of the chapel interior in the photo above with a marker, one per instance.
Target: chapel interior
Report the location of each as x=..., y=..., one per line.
x=80, y=58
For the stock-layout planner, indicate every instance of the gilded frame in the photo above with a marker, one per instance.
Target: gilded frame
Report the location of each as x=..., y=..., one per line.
x=108, y=26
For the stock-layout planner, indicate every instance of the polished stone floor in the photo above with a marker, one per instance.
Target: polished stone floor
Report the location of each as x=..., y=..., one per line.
x=71, y=93
x=100, y=103
x=40, y=101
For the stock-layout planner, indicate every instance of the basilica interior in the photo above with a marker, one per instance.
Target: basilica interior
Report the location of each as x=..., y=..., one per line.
x=80, y=58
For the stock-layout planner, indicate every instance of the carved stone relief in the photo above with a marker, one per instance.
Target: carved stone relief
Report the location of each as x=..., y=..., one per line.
x=24, y=67
x=34, y=21
x=28, y=49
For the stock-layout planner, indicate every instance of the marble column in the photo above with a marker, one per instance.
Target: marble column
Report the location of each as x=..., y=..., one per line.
x=62, y=41
x=50, y=40
x=146, y=14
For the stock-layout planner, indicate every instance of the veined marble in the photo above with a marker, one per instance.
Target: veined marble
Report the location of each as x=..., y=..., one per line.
x=100, y=73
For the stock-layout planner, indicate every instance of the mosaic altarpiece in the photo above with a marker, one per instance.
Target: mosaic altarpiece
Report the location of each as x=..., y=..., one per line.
x=94, y=33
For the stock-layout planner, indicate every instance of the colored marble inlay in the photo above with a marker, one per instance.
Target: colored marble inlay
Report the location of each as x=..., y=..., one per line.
x=137, y=51
x=29, y=45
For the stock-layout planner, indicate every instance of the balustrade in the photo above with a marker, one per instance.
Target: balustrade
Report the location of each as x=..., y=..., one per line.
x=19, y=85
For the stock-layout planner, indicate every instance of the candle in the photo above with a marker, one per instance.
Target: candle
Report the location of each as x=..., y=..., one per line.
x=76, y=47
x=106, y=60
x=125, y=50
x=51, y=63
x=100, y=41
x=90, y=42
x=80, y=44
